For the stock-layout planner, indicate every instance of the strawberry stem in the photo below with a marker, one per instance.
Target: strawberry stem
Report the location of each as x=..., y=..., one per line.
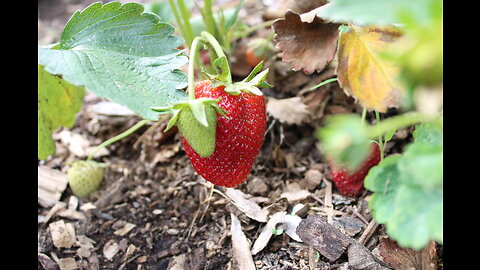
x=218, y=50
x=118, y=137
x=398, y=122
x=364, y=115
x=380, y=141
x=191, y=67
x=205, y=38
x=324, y=82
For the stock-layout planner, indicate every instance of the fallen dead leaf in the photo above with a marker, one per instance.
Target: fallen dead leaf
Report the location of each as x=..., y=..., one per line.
x=240, y=246
x=306, y=41
x=288, y=110
x=250, y=208
x=400, y=258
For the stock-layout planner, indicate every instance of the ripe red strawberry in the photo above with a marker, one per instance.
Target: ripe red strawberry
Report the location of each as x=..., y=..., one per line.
x=351, y=183
x=239, y=136
x=251, y=58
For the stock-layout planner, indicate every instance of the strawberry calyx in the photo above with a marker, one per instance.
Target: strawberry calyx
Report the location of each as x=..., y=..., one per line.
x=250, y=84
x=197, y=120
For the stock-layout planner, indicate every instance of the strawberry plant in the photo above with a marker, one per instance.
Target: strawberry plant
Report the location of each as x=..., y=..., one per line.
x=131, y=57
x=388, y=57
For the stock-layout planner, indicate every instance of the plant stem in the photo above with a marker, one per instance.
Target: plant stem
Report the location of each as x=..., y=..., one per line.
x=191, y=67
x=118, y=137
x=186, y=22
x=217, y=48
x=207, y=16
x=179, y=20
x=364, y=114
x=398, y=122
x=254, y=28
x=214, y=43
x=324, y=82
x=380, y=140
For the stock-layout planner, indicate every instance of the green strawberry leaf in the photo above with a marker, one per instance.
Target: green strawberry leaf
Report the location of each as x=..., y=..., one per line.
x=430, y=132
x=382, y=180
x=120, y=53
x=422, y=165
x=379, y=12
x=58, y=103
x=234, y=16
x=408, y=190
x=389, y=135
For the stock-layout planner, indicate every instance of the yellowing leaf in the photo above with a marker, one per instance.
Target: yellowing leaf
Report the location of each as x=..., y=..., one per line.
x=362, y=73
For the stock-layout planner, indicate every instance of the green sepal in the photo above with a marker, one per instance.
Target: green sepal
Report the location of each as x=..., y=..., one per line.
x=259, y=78
x=199, y=136
x=251, y=83
x=173, y=120
x=254, y=72
x=197, y=121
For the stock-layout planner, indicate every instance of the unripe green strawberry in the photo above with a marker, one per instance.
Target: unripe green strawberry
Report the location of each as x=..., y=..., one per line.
x=84, y=177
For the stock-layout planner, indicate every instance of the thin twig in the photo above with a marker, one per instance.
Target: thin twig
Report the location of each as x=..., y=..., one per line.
x=372, y=226
x=328, y=201
x=360, y=216
x=210, y=195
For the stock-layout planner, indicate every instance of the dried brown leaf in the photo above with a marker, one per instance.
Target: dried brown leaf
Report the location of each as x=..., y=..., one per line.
x=306, y=41
x=400, y=258
x=288, y=110
x=240, y=246
x=247, y=206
